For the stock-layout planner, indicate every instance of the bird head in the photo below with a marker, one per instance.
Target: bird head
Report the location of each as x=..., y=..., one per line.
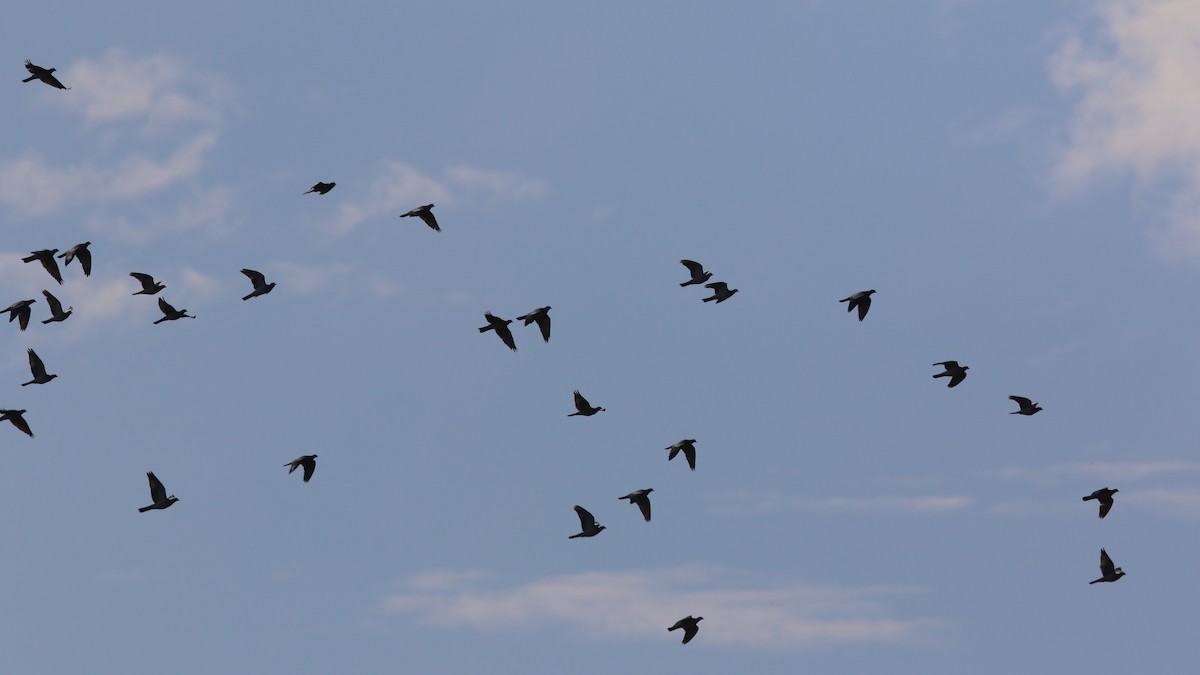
x=600, y=528
x=1118, y=573
x=314, y=456
x=871, y=292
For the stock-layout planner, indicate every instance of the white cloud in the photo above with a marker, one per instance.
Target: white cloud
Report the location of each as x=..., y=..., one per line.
x=641, y=605
x=306, y=279
x=206, y=209
x=1100, y=470
x=502, y=184
x=1138, y=109
x=399, y=189
x=748, y=503
x=1174, y=502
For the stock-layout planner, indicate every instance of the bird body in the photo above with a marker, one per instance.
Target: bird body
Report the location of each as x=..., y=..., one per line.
x=38, y=369
x=44, y=74
x=426, y=214
x=56, y=310
x=582, y=407
x=158, y=494
x=170, y=313
x=699, y=275
x=688, y=446
x=150, y=285
x=501, y=327
x=861, y=300
x=1108, y=571
x=46, y=256
x=690, y=626
x=642, y=499
x=955, y=372
x=81, y=252
x=721, y=291
x=321, y=188
x=261, y=287
x=20, y=310
x=307, y=461
x=587, y=524
x=18, y=420
x=1105, y=497
x=1028, y=407
x=542, y=316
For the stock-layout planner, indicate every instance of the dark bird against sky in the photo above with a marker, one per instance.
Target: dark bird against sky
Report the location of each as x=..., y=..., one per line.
x=150, y=285
x=542, y=316
x=261, y=287
x=38, y=369
x=721, y=291
x=20, y=310
x=642, y=499
x=309, y=462
x=321, y=188
x=861, y=300
x=688, y=446
x=1028, y=407
x=158, y=494
x=17, y=417
x=46, y=256
x=955, y=372
x=79, y=251
x=44, y=74
x=426, y=214
x=1108, y=571
x=587, y=524
x=699, y=276
x=582, y=407
x=56, y=310
x=690, y=626
x=1105, y=497
x=170, y=313
x=501, y=327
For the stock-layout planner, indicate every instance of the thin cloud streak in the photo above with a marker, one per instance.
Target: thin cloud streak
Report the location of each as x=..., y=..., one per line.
x=641, y=605
x=1099, y=470
x=751, y=503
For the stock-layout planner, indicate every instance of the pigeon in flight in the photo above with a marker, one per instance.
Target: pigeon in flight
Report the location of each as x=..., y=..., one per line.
x=955, y=372
x=699, y=276
x=1108, y=571
x=721, y=291
x=1105, y=497
x=321, y=188
x=582, y=406
x=261, y=287
x=501, y=327
x=688, y=446
x=38, y=369
x=149, y=285
x=690, y=626
x=861, y=300
x=642, y=499
x=426, y=214
x=542, y=316
x=170, y=313
x=18, y=420
x=46, y=256
x=40, y=73
x=587, y=523
x=309, y=462
x=1028, y=407
x=20, y=310
x=158, y=494
x=56, y=310
x=79, y=251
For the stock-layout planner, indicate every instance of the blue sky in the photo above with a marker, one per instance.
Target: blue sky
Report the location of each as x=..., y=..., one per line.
x=1020, y=184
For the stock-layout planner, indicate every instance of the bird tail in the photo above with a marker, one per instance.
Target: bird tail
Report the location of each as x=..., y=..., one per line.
x=31, y=78
x=1087, y=498
x=710, y=299
x=485, y=329
x=160, y=320
x=248, y=297
x=1095, y=582
x=29, y=259
x=145, y=509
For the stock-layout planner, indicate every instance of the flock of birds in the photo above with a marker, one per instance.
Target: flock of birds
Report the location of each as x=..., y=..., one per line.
x=589, y=527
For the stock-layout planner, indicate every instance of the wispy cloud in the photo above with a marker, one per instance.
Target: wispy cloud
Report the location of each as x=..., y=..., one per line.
x=748, y=503
x=1184, y=503
x=1138, y=110
x=307, y=278
x=399, y=188
x=501, y=184
x=641, y=605
x=1099, y=470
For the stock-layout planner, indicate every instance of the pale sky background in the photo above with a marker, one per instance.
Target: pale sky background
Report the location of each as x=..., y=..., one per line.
x=1020, y=182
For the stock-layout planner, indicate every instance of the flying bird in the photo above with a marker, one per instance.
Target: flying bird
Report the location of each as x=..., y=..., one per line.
x=542, y=316
x=861, y=300
x=38, y=369
x=170, y=313
x=501, y=327
x=425, y=214
x=158, y=494
x=1108, y=571
x=20, y=310
x=309, y=462
x=587, y=523
x=40, y=73
x=18, y=420
x=582, y=406
x=1028, y=407
x=642, y=499
x=149, y=285
x=56, y=310
x=321, y=188
x=721, y=291
x=699, y=276
x=1105, y=497
x=688, y=446
x=955, y=372
x=46, y=256
x=690, y=626
x=261, y=287
x=79, y=251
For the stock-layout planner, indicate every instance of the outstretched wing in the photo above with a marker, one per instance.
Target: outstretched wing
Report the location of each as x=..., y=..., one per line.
x=427, y=216
x=166, y=307
x=586, y=520
x=158, y=493
x=36, y=366
x=543, y=322
x=581, y=403
x=310, y=465
x=643, y=502
x=55, y=305
x=507, y=336
x=1022, y=401
x=718, y=287
x=1107, y=568
x=694, y=268
x=864, y=304
x=256, y=278
x=85, y=259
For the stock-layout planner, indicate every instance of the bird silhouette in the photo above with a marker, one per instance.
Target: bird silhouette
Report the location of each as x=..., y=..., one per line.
x=542, y=316
x=642, y=499
x=149, y=285
x=582, y=407
x=425, y=214
x=699, y=276
x=688, y=446
x=38, y=369
x=170, y=313
x=861, y=300
x=587, y=524
x=690, y=626
x=17, y=417
x=158, y=494
x=501, y=327
x=321, y=188
x=20, y=310
x=1108, y=571
x=56, y=310
x=1028, y=407
x=43, y=74
x=261, y=287
x=955, y=372
x=309, y=462
x=79, y=251
x=721, y=291
x=1105, y=497
x=46, y=256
